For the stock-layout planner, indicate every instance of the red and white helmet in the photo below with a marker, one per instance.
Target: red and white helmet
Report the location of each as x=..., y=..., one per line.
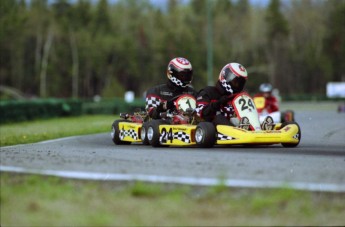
x=180, y=72
x=233, y=77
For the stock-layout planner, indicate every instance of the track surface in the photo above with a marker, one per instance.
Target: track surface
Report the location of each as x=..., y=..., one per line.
x=318, y=163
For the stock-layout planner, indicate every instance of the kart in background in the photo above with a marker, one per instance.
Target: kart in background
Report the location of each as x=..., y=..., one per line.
x=278, y=116
x=248, y=130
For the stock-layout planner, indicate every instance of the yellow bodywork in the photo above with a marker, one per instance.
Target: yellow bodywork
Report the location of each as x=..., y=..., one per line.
x=179, y=135
x=232, y=135
x=130, y=131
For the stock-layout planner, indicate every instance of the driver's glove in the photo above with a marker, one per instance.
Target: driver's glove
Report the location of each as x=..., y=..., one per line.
x=170, y=104
x=223, y=100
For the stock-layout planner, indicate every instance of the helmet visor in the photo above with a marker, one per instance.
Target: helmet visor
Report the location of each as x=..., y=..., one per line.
x=238, y=83
x=185, y=76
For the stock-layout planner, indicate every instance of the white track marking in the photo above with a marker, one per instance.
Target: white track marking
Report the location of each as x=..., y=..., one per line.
x=180, y=180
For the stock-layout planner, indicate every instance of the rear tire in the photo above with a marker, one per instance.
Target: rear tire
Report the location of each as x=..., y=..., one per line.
x=299, y=134
x=116, y=133
x=288, y=116
x=143, y=133
x=205, y=134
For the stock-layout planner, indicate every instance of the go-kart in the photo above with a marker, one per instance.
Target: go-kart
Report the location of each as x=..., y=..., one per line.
x=130, y=128
x=175, y=127
x=248, y=129
x=278, y=116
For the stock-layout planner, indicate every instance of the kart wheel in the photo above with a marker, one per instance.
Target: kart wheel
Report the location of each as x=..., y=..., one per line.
x=143, y=133
x=116, y=133
x=205, y=134
x=299, y=134
x=288, y=115
x=153, y=134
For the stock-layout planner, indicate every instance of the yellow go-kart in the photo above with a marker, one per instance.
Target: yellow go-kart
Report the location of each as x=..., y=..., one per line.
x=132, y=128
x=176, y=127
x=248, y=129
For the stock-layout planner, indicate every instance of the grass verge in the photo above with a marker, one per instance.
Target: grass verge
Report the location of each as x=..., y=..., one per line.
x=32, y=200
x=40, y=130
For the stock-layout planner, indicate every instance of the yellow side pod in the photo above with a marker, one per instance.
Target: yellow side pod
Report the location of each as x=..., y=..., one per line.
x=232, y=135
x=130, y=131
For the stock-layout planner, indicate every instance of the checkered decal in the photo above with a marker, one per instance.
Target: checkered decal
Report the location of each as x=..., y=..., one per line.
x=182, y=136
x=152, y=101
x=131, y=133
x=296, y=136
x=221, y=136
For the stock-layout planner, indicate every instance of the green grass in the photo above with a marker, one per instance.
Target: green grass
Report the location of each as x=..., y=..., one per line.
x=40, y=130
x=31, y=200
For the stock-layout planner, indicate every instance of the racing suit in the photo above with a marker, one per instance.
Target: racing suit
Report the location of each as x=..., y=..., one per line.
x=214, y=105
x=157, y=96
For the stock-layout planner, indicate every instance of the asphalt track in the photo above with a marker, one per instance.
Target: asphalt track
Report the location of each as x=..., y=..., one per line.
x=317, y=164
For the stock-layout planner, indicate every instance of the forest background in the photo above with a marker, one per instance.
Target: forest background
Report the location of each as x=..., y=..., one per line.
x=85, y=48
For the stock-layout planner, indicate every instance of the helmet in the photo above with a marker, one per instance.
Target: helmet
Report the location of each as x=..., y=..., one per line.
x=266, y=87
x=233, y=77
x=180, y=72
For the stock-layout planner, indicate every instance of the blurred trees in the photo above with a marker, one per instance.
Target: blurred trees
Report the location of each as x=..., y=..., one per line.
x=105, y=48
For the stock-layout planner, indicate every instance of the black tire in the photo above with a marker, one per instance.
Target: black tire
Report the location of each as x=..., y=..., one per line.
x=299, y=134
x=205, y=134
x=153, y=133
x=288, y=116
x=143, y=135
x=116, y=133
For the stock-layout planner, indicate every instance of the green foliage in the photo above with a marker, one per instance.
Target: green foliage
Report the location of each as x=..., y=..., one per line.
x=103, y=46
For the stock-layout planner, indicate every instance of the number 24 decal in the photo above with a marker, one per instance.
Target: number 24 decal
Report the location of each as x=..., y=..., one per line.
x=167, y=135
x=244, y=104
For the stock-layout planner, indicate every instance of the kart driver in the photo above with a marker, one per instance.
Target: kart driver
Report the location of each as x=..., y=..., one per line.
x=214, y=102
x=161, y=97
x=271, y=104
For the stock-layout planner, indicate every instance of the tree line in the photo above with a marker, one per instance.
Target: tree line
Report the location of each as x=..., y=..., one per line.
x=82, y=49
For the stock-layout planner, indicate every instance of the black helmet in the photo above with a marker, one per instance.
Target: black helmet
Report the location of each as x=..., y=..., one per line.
x=180, y=72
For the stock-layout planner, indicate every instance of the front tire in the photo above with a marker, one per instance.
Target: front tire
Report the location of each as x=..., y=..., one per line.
x=116, y=133
x=153, y=133
x=299, y=134
x=205, y=134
